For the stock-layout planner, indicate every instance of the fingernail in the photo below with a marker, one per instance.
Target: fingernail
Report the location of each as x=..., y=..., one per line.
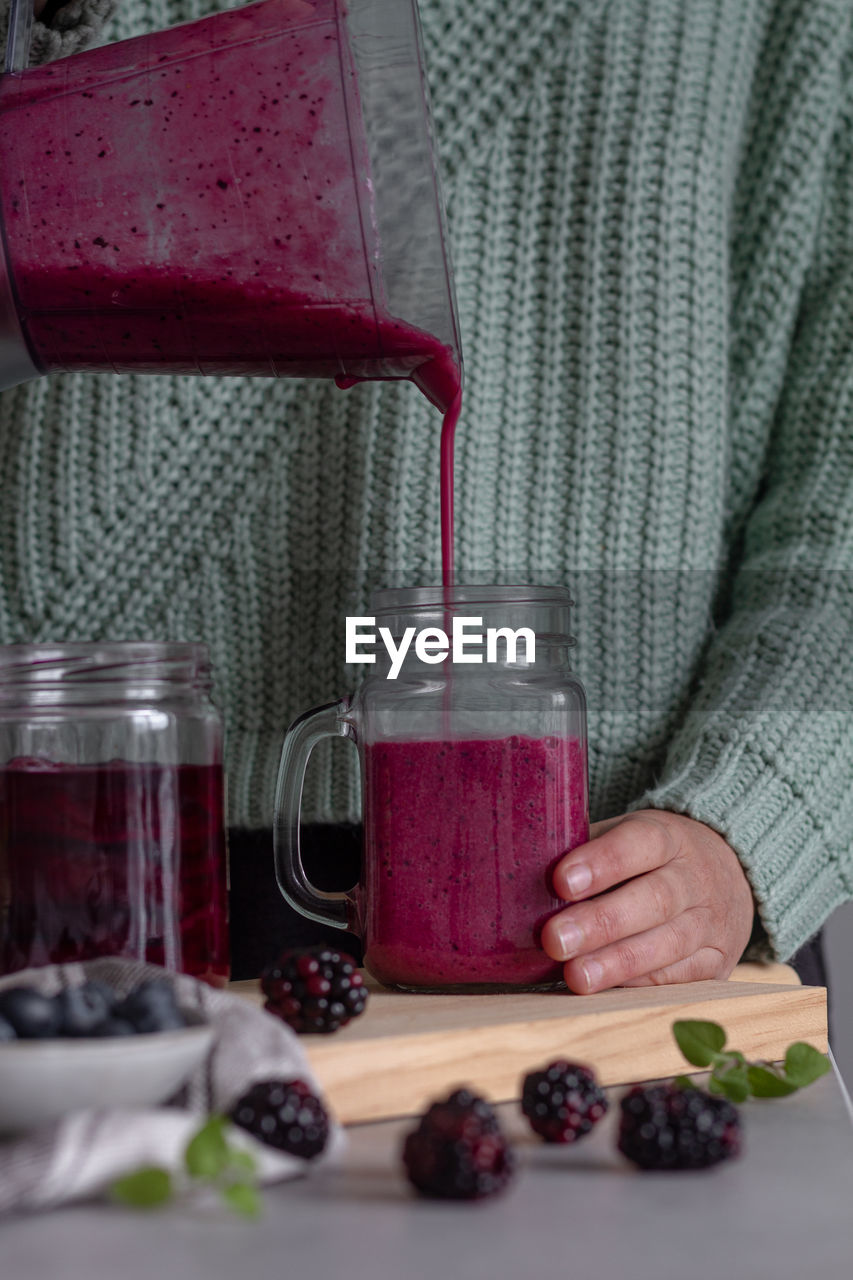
x=570, y=938
x=594, y=973
x=578, y=878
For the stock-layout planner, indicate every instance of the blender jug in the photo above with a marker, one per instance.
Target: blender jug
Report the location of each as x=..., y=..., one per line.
x=251, y=193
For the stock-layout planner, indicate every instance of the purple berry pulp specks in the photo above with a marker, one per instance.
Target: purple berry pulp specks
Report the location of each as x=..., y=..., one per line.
x=563, y=1101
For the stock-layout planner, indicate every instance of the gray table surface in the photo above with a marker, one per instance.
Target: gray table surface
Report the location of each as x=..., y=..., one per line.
x=784, y=1210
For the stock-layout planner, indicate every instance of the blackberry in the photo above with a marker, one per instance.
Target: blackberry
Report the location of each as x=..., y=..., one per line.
x=314, y=989
x=458, y=1151
x=563, y=1101
x=284, y=1114
x=666, y=1127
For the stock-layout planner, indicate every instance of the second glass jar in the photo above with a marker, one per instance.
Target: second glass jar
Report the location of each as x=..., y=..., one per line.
x=112, y=831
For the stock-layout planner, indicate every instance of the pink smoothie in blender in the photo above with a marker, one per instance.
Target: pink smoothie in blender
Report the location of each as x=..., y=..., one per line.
x=205, y=200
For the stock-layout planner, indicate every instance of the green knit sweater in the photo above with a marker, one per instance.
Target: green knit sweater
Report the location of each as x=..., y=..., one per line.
x=651, y=212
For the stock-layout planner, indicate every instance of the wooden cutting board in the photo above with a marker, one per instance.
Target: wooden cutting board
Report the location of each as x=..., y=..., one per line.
x=407, y=1049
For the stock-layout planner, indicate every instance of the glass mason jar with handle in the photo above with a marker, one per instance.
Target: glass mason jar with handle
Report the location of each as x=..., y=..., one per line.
x=474, y=784
x=112, y=829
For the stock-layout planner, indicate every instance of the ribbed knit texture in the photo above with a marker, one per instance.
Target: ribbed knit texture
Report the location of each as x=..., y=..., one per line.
x=651, y=204
x=76, y=25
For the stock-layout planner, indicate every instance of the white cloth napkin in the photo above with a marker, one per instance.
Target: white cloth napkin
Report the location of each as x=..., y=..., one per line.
x=79, y=1156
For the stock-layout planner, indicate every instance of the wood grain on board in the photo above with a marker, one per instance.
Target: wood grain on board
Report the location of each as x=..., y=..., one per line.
x=407, y=1048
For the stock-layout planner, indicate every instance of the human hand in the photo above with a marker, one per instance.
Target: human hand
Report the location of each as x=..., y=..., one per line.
x=657, y=897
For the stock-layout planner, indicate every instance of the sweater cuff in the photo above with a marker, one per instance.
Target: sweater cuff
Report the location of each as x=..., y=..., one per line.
x=74, y=26
x=737, y=789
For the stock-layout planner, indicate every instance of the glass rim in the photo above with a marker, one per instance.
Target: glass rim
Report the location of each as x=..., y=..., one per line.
x=83, y=660
x=439, y=597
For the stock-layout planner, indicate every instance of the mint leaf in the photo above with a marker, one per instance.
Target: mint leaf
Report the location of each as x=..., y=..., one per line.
x=734, y=1083
x=209, y=1158
x=243, y=1199
x=804, y=1064
x=207, y=1153
x=700, y=1042
x=239, y=1159
x=684, y=1082
x=765, y=1083
x=146, y=1188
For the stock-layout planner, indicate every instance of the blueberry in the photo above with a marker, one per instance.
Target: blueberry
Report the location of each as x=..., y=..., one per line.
x=151, y=1007
x=32, y=1015
x=115, y=1027
x=7, y=1031
x=82, y=1009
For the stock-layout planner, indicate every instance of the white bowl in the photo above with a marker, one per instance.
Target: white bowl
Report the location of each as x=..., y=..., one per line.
x=42, y=1080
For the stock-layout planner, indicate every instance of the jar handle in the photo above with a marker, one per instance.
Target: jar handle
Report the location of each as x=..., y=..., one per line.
x=328, y=721
x=19, y=35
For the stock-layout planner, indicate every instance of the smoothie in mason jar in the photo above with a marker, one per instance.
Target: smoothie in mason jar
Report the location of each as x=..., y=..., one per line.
x=464, y=836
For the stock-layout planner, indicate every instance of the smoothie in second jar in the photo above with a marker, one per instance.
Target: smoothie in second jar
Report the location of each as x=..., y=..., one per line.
x=465, y=837
x=119, y=858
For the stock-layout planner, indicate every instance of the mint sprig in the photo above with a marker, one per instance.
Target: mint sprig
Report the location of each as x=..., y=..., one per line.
x=146, y=1188
x=209, y=1160
x=207, y=1153
x=703, y=1045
